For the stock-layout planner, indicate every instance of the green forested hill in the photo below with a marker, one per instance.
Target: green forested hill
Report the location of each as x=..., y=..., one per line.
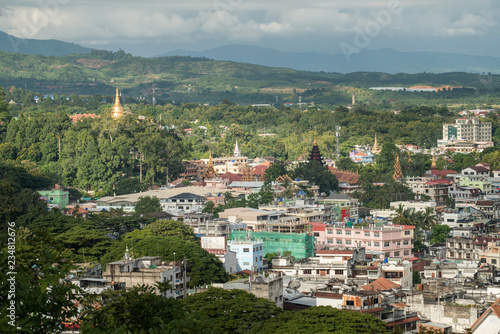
x=188, y=79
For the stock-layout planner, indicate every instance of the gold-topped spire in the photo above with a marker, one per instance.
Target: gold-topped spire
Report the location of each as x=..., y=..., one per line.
x=376, y=149
x=210, y=171
x=117, y=108
x=434, y=163
x=315, y=143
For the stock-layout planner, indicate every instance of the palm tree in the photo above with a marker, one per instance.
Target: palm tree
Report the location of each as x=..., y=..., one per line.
x=402, y=216
x=429, y=219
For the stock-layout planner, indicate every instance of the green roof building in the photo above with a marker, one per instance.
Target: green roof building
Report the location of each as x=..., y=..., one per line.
x=300, y=244
x=56, y=196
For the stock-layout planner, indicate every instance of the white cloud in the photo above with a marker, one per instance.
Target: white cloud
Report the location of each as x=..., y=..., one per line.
x=151, y=21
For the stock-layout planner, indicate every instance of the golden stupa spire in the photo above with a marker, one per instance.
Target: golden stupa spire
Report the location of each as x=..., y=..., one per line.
x=375, y=149
x=434, y=164
x=210, y=171
x=117, y=108
x=397, y=170
x=315, y=143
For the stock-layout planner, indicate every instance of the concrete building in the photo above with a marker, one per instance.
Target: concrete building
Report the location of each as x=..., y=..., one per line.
x=206, y=224
x=399, y=272
x=347, y=206
x=57, y=196
x=458, y=249
x=390, y=241
x=269, y=286
x=329, y=264
x=249, y=254
x=467, y=130
x=185, y=202
x=217, y=245
x=148, y=270
x=491, y=256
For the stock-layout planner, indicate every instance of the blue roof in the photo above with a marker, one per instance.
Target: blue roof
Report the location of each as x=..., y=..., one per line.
x=301, y=193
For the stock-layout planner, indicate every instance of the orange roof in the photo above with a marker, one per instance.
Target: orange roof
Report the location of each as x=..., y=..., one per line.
x=382, y=284
x=493, y=309
x=345, y=176
x=261, y=169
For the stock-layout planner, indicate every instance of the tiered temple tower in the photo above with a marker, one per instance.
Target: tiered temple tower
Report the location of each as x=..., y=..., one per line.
x=117, y=108
x=315, y=153
x=397, y=170
x=210, y=171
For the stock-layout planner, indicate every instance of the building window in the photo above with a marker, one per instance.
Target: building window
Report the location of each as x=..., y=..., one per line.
x=246, y=263
x=387, y=244
x=407, y=252
x=339, y=241
x=388, y=254
x=396, y=254
x=307, y=271
x=349, y=302
x=376, y=244
x=329, y=241
x=260, y=247
x=407, y=232
x=339, y=272
x=339, y=231
x=369, y=243
x=452, y=254
x=348, y=242
x=376, y=234
x=406, y=242
x=329, y=231
x=367, y=234
x=246, y=250
x=493, y=261
x=316, y=234
x=347, y=232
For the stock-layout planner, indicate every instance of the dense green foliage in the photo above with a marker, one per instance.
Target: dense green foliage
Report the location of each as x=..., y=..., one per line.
x=232, y=311
x=140, y=310
x=147, y=204
x=171, y=240
x=43, y=298
x=323, y=319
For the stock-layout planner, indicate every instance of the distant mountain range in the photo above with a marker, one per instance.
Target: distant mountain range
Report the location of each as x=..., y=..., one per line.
x=49, y=47
x=382, y=60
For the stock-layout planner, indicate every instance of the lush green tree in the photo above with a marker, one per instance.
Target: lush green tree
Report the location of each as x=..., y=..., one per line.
x=203, y=267
x=276, y=170
x=318, y=175
x=139, y=310
x=44, y=298
x=323, y=319
x=439, y=233
x=147, y=204
x=232, y=311
x=416, y=277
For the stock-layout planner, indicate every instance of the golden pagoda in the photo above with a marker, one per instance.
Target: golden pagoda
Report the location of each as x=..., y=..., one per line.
x=247, y=173
x=210, y=171
x=397, y=170
x=376, y=149
x=434, y=164
x=117, y=108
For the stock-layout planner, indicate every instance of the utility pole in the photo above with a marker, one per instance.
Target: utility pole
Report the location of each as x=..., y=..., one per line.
x=337, y=134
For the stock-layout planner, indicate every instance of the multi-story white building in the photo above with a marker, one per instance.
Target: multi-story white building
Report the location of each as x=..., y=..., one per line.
x=467, y=130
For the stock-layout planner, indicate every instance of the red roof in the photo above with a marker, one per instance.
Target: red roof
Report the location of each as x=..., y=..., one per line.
x=326, y=251
x=345, y=175
x=373, y=310
x=261, y=169
x=381, y=284
x=442, y=173
x=318, y=227
x=231, y=176
x=328, y=295
x=485, y=203
x=404, y=321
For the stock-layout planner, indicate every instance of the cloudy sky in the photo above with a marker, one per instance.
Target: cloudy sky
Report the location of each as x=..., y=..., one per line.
x=151, y=27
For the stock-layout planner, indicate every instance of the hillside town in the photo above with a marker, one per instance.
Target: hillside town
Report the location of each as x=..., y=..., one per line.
x=304, y=248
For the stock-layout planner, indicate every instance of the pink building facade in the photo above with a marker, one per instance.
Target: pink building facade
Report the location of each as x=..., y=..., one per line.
x=392, y=241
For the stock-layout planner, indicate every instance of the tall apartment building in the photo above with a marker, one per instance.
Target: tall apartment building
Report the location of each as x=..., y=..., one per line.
x=470, y=130
x=394, y=241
